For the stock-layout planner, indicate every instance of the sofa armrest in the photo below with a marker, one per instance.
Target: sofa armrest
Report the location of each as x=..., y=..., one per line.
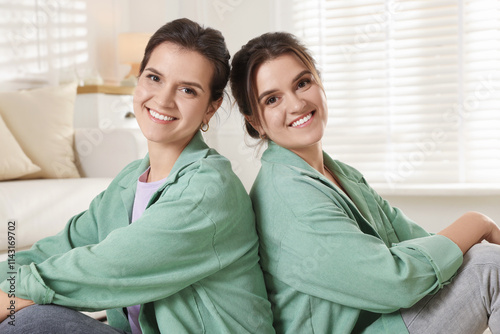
x=104, y=153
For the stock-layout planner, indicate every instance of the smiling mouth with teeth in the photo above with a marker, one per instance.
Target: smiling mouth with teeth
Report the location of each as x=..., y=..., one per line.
x=160, y=116
x=302, y=120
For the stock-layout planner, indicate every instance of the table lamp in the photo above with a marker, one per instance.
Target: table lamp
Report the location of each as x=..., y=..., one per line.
x=130, y=51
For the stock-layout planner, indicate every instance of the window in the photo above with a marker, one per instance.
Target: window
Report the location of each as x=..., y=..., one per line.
x=42, y=41
x=413, y=87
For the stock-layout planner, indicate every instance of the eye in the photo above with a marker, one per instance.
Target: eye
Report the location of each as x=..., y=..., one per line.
x=189, y=91
x=271, y=100
x=303, y=83
x=153, y=77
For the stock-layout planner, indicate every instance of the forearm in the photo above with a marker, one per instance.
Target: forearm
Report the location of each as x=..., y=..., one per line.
x=470, y=229
x=99, y=276
x=9, y=304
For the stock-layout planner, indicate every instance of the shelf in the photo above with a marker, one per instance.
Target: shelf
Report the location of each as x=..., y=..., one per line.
x=106, y=89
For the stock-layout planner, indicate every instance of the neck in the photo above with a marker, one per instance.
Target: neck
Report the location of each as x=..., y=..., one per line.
x=162, y=159
x=313, y=155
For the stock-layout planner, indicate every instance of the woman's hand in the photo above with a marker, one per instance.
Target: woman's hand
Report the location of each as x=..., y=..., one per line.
x=493, y=236
x=470, y=229
x=9, y=306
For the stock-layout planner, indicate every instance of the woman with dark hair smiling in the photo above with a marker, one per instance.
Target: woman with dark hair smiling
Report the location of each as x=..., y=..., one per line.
x=337, y=258
x=170, y=246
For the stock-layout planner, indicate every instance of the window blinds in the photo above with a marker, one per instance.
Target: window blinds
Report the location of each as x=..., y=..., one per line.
x=413, y=87
x=42, y=40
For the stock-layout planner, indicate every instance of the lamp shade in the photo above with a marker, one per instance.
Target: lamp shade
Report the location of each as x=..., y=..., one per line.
x=131, y=47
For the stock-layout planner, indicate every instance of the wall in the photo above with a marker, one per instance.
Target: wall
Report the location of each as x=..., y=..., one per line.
x=435, y=212
x=105, y=20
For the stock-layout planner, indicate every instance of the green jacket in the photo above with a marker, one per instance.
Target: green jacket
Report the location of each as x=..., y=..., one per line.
x=335, y=263
x=191, y=260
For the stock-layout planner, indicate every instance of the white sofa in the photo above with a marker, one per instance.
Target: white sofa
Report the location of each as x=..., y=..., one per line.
x=106, y=139
x=41, y=207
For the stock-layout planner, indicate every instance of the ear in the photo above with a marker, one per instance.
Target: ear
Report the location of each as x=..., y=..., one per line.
x=256, y=125
x=212, y=108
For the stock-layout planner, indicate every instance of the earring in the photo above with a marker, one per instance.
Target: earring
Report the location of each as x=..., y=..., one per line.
x=204, y=127
x=262, y=136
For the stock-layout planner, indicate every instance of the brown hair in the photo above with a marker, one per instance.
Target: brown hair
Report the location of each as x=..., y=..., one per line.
x=247, y=61
x=206, y=41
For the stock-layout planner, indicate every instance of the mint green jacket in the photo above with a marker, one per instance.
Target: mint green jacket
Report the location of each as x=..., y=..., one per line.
x=191, y=260
x=340, y=264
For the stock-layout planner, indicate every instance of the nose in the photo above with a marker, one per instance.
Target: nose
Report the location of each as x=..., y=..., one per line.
x=166, y=97
x=295, y=103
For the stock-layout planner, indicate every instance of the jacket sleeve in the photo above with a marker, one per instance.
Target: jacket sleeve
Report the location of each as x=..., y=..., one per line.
x=404, y=227
x=170, y=247
x=325, y=253
x=79, y=231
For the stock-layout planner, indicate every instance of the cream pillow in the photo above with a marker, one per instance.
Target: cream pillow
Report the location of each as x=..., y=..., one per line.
x=42, y=122
x=13, y=162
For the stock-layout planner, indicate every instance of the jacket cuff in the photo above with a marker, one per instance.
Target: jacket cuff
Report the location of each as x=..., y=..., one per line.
x=442, y=253
x=29, y=285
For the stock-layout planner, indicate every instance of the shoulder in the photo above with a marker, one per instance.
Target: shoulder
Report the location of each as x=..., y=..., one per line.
x=213, y=168
x=291, y=188
x=210, y=181
x=285, y=175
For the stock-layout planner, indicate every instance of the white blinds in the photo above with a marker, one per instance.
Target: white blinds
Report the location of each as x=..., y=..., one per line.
x=42, y=40
x=413, y=87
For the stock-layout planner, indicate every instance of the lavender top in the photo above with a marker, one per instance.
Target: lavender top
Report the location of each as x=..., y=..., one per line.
x=142, y=196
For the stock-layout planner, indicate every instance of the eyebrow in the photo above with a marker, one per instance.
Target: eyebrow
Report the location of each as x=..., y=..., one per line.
x=187, y=83
x=297, y=77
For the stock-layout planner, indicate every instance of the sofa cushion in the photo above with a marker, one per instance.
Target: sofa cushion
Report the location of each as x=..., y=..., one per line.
x=14, y=163
x=41, y=120
x=42, y=208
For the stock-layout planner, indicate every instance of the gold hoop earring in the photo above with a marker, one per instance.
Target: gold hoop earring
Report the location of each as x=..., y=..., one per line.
x=204, y=127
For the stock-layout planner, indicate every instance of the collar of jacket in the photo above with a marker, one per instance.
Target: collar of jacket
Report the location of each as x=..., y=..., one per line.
x=350, y=179
x=277, y=154
x=194, y=151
